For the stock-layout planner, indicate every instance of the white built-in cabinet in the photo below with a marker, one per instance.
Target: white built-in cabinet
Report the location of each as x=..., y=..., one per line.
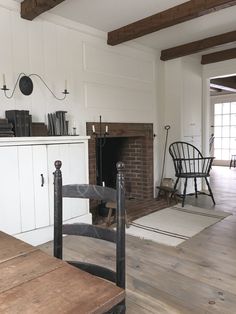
x=26, y=188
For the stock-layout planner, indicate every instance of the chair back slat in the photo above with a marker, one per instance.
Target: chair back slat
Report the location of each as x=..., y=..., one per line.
x=85, y=230
x=95, y=270
x=95, y=192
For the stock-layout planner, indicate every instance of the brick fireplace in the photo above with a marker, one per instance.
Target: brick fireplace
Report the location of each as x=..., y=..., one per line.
x=131, y=143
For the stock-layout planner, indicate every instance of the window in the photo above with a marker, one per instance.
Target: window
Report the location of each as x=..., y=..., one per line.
x=224, y=130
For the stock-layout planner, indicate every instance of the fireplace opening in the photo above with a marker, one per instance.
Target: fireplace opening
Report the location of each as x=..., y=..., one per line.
x=111, y=154
x=128, y=150
x=131, y=143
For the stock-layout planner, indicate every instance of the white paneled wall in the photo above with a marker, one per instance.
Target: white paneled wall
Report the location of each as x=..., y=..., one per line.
x=110, y=97
x=108, y=61
x=115, y=82
x=118, y=83
x=183, y=104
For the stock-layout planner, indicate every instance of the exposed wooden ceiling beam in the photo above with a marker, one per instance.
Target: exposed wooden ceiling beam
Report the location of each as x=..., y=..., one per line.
x=197, y=46
x=30, y=9
x=219, y=56
x=215, y=89
x=227, y=83
x=222, y=87
x=175, y=15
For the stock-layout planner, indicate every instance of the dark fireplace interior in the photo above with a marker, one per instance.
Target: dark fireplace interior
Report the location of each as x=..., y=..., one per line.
x=128, y=150
x=111, y=154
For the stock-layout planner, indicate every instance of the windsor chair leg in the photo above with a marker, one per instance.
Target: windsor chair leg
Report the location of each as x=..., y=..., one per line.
x=195, y=185
x=176, y=182
x=184, y=194
x=210, y=191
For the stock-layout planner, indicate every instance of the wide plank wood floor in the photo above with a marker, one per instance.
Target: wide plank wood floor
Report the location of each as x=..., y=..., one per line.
x=198, y=276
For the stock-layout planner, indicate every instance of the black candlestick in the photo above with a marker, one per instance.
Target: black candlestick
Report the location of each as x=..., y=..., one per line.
x=100, y=143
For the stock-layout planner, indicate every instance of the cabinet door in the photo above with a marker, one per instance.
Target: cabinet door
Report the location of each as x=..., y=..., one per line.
x=10, y=221
x=33, y=177
x=41, y=197
x=74, y=170
x=26, y=189
x=77, y=174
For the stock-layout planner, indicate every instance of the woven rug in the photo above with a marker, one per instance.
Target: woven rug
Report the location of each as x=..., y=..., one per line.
x=174, y=225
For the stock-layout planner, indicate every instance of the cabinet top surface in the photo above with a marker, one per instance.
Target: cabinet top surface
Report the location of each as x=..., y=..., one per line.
x=12, y=141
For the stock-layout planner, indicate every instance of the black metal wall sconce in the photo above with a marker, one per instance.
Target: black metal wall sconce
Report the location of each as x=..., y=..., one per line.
x=26, y=86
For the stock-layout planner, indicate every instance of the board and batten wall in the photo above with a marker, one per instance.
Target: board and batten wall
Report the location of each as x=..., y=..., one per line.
x=119, y=83
x=183, y=104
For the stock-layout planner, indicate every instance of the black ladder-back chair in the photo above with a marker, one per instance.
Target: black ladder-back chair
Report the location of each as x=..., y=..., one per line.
x=190, y=163
x=81, y=229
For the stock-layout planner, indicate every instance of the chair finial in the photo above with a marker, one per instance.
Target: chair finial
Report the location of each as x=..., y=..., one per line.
x=120, y=166
x=58, y=164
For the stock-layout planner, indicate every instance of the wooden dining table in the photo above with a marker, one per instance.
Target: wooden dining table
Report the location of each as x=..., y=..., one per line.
x=33, y=282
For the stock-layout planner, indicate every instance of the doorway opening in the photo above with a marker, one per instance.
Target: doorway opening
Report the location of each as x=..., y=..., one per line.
x=223, y=119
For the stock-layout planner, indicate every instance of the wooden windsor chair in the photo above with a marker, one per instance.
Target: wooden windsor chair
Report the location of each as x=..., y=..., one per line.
x=189, y=163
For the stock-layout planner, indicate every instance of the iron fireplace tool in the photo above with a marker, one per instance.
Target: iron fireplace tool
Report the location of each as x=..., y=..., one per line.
x=167, y=127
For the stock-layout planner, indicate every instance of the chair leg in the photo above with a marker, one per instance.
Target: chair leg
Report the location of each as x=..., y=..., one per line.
x=184, y=194
x=210, y=191
x=126, y=219
x=176, y=182
x=195, y=185
x=109, y=217
x=118, y=309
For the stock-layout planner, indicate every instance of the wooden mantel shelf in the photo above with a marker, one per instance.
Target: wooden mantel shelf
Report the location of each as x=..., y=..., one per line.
x=35, y=140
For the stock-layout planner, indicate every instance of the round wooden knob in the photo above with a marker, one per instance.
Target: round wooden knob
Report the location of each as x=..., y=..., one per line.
x=58, y=164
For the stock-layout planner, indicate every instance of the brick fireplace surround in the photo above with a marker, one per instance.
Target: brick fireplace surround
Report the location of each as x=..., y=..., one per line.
x=135, y=150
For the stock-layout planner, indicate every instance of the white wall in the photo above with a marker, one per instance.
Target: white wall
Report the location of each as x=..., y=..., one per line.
x=183, y=103
x=125, y=83
x=118, y=83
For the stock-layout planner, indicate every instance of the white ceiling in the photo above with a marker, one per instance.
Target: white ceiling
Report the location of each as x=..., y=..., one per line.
x=107, y=15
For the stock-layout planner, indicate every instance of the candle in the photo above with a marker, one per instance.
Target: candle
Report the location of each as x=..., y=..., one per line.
x=103, y=183
x=106, y=129
x=93, y=128
x=4, y=80
x=65, y=84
